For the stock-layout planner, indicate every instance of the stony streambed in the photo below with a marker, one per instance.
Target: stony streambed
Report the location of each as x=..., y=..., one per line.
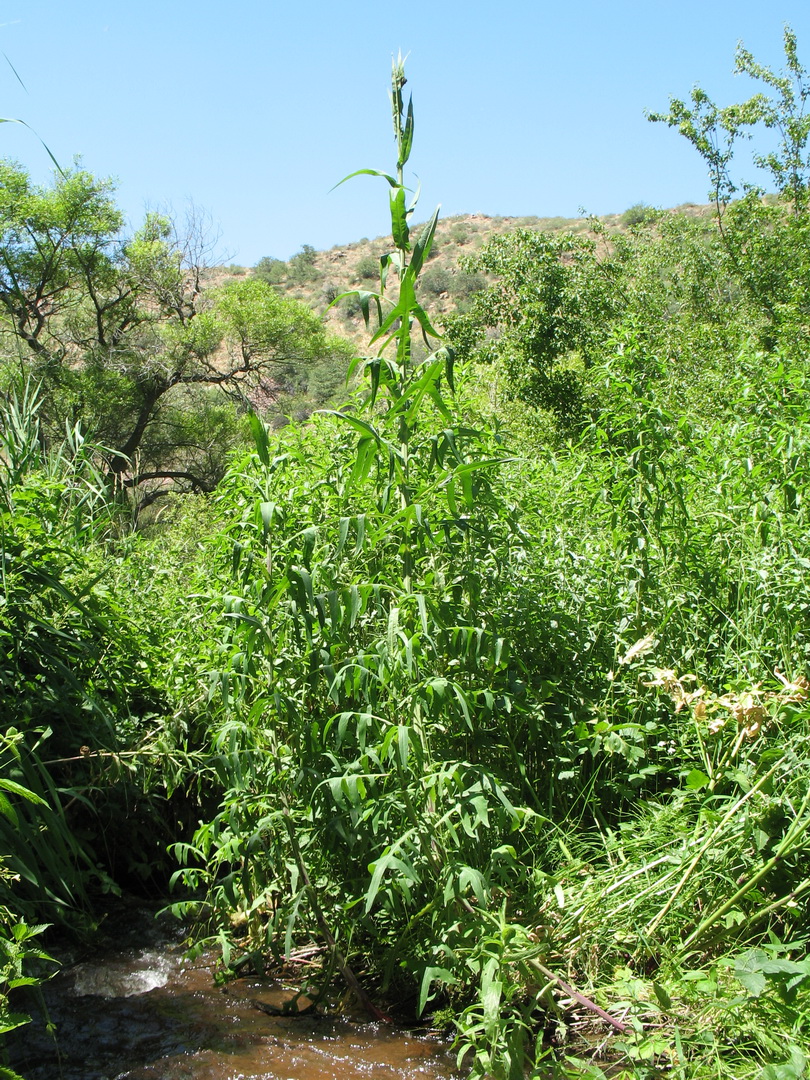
x=139, y=1010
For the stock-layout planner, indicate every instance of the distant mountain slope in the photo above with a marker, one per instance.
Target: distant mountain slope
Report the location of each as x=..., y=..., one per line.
x=317, y=277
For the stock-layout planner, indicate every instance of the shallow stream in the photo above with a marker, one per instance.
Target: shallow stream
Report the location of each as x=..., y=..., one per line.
x=139, y=1010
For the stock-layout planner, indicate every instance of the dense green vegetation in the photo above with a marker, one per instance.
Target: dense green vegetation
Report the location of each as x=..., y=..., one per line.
x=493, y=681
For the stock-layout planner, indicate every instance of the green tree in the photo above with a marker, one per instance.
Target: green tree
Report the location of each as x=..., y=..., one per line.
x=560, y=304
x=551, y=306
x=124, y=338
x=767, y=247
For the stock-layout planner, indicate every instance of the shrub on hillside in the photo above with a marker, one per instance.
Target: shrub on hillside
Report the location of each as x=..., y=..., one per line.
x=271, y=270
x=302, y=268
x=437, y=280
x=637, y=214
x=368, y=268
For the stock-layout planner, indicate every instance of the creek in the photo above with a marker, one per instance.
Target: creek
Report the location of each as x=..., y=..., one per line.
x=139, y=1009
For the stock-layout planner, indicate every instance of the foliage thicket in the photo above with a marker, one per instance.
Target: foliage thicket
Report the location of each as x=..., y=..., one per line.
x=507, y=709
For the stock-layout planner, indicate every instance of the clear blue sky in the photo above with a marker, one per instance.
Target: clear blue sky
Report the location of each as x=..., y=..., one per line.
x=255, y=109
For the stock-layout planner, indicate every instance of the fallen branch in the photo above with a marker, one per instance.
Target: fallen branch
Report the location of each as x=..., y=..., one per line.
x=588, y=1004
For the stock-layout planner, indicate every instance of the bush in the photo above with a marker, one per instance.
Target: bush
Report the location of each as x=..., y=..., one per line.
x=302, y=268
x=368, y=268
x=437, y=280
x=330, y=292
x=271, y=270
x=636, y=215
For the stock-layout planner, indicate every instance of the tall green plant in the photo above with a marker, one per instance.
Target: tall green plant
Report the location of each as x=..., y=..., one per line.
x=368, y=709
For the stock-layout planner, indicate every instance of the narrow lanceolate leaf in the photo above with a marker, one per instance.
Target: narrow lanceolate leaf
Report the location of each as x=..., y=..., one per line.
x=389, y=861
x=391, y=258
x=448, y=355
x=374, y=369
x=407, y=136
x=354, y=421
x=364, y=299
x=7, y=810
x=365, y=172
x=399, y=311
x=360, y=535
x=491, y=989
x=426, y=384
x=403, y=744
x=343, y=534
x=268, y=512
x=23, y=792
x=301, y=585
x=433, y=974
x=421, y=248
x=45, y=147
x=260, y=438
x=366, y=456
x=355, y=604
x=399, y=220
x=423, y=320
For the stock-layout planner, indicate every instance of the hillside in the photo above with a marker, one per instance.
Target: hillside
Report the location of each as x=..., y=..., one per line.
x=317, y=277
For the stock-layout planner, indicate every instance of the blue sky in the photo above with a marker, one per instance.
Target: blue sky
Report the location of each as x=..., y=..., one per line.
x=254, y=110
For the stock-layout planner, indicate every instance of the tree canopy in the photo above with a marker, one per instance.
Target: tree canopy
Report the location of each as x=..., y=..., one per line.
x=130, y=335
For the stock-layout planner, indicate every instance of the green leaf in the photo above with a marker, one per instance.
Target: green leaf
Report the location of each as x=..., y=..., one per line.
x=343, y=534
x=388, y=861
x=360, y=533
x=428, y=329
x=462, y=700
x=748, y=970
x=421, y=248
x=7, y=810
x=59, y=169
x=407, y=136
x=429, y=975
x=397, y=312
x=355, y=604
x=268, y=512
x=359, y=172
x=697, y=780
x=793, y=1069
x=403, y=744
x=448, y=355
x=491, y=990
x=260, y=438
x=309, y=538
x=374, y=369
x=301, y=581
x=399, y=220
x=23, y=792
x=391, y=258
x=8, y=1022
x=470, y=878
x=354, y=421
x=364, y=299
x=663, y=998
x=365, y=458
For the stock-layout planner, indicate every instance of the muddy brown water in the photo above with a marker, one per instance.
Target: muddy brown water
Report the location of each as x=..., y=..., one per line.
x=140, y=1010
